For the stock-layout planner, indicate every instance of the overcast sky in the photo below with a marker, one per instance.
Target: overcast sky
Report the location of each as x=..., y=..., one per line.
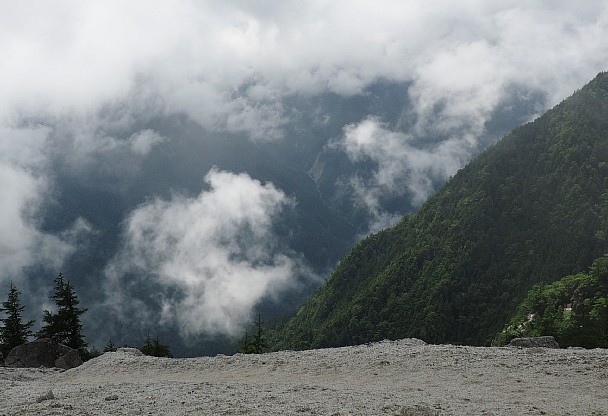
x=228, y=65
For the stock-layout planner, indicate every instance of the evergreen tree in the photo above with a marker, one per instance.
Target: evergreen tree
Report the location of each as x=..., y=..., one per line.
x=257, y=344
x=13, y=331
x=155, y=348
x=245, y=344
x=64, y=325
x=110, y=347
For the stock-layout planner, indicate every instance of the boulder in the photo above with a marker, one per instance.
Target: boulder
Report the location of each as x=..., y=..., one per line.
x=69, y=360
x=543, y=342
x=130, y=351
x=43, y=353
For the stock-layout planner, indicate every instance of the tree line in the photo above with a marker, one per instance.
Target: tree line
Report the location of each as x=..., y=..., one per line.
x=63, y=325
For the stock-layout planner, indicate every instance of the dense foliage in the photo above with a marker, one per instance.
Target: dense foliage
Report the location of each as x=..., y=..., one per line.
x=528, y=210
x=574, y=310
x=13, y=331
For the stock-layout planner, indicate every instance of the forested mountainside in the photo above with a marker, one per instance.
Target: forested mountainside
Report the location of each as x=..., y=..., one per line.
x=574, y=310
x=528, y=210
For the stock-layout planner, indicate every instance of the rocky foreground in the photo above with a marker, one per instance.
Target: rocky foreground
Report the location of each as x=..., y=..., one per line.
x=403, y=377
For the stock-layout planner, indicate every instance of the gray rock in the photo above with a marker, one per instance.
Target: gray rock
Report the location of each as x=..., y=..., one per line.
x=47, y=396
x=130, y=351
x=410, y=342
x=43, y=353
x=532, y=342
x=69, y=360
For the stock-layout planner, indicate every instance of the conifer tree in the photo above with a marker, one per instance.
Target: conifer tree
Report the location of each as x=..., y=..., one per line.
x=257, y=344
x=245, y=344
x=110, y=347
x=155, y=348
x=13, y=331
x=64, y=325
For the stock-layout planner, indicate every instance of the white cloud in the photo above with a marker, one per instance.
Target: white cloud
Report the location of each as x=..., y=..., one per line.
x=142, y=141
x=75, y=56
x=217, y=249
x=228, y=65
x=24, y=189
x=23, y=146
x=401, y=166
x=22, y=243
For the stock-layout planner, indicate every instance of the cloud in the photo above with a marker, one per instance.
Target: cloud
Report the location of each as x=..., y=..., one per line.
x=229, y=64
x=25, y=189
x=143, y=141
x=23, y=244
x=402, y=166
x=215, y=252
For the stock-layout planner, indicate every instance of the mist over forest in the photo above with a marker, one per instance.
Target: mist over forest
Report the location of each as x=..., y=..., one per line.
x=188, y=165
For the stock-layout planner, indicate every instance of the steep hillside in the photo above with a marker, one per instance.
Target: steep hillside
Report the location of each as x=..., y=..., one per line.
x=529, y=210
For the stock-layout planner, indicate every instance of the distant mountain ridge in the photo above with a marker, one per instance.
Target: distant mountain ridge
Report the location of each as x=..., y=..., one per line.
x=528, y=210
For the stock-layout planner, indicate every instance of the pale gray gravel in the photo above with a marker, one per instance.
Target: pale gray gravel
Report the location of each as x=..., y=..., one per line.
x=387, y=378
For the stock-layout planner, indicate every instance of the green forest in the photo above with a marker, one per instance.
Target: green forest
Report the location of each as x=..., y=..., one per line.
x=574, y=310
x=527, y=211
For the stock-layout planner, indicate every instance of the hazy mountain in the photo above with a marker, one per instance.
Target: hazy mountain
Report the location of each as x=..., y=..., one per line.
x=191, y=164
x=530, y=209
x=320, y=219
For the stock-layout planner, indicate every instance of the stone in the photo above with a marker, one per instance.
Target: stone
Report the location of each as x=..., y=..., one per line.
x=46, y=396
x=69, y=360
x=43, y=353
x=534, y=342
x=130, y=351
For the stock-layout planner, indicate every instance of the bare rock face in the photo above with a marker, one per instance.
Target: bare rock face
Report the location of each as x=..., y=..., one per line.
x=543, y=342
x=43, y=353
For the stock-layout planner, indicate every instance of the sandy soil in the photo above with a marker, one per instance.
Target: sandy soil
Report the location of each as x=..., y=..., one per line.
x=387, y=378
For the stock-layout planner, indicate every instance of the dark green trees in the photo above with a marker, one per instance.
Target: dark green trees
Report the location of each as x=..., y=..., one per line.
x=109, y=347
x=255, y=344
x=155, y=348
x=574, y=310
x=64, y=325
x=13, y=331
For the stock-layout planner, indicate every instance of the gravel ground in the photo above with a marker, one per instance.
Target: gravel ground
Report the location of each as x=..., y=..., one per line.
x=403, y=377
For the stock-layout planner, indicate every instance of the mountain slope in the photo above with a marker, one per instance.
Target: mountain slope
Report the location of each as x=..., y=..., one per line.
x=528, y=210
